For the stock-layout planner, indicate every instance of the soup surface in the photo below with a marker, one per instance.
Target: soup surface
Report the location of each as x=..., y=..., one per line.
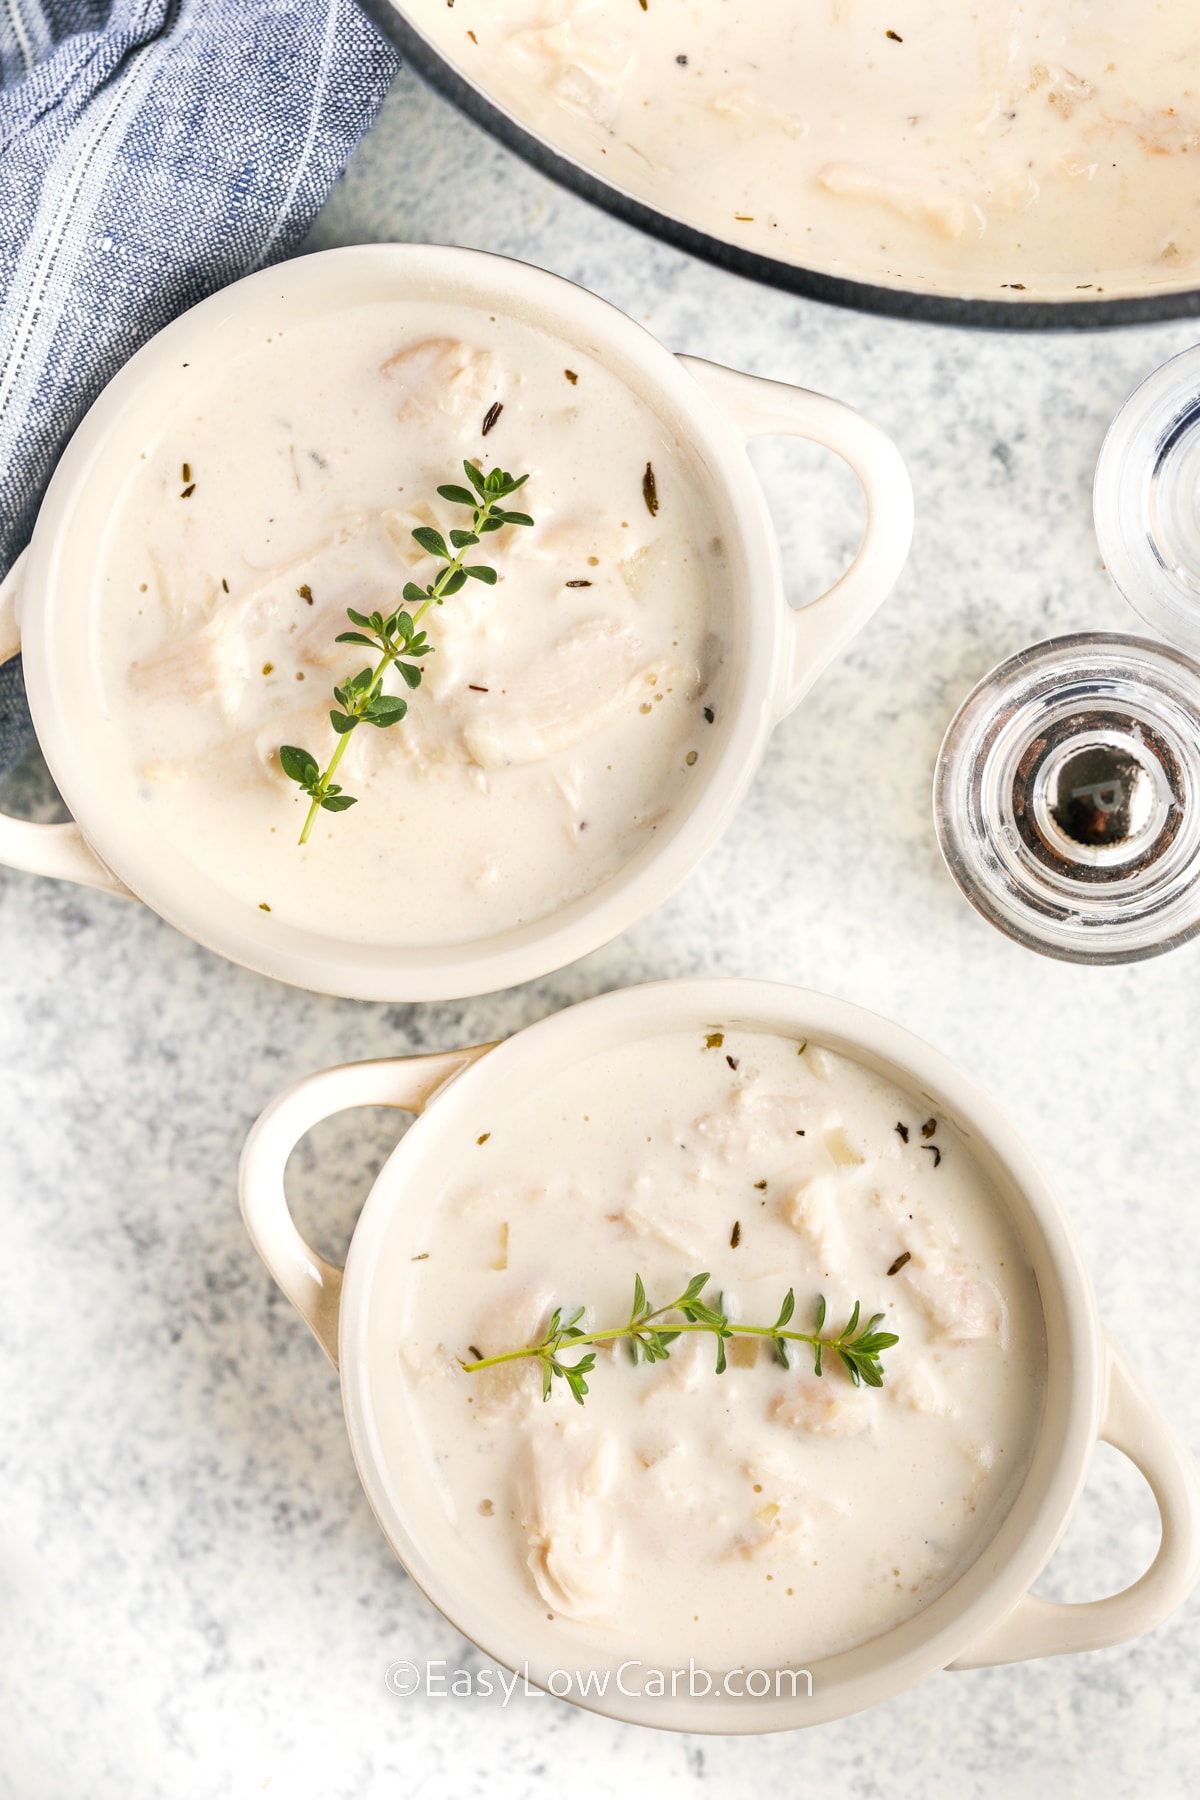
x=563, y=712
x=762, y=1516
x=1047, y=146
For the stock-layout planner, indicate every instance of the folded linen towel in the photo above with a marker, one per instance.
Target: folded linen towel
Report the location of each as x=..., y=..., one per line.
x=150, y=152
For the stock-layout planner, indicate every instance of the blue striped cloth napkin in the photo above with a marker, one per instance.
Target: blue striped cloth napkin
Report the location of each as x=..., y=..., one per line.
x=150, y=152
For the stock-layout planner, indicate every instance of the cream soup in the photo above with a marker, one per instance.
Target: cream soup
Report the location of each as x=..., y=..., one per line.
x=762, y=1516
x=1048, y=146
x=564, y=711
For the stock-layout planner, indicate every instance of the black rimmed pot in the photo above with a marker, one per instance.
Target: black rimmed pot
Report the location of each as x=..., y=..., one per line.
x=834, y=290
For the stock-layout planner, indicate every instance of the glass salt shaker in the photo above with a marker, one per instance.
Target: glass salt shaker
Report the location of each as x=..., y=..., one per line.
x=1067, y=797
x=1146, y=500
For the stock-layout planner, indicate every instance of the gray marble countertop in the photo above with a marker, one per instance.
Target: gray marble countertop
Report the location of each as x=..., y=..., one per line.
x=197, y=1600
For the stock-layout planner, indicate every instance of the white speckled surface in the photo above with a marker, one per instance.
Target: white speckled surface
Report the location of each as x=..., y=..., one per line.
x=196, y=1598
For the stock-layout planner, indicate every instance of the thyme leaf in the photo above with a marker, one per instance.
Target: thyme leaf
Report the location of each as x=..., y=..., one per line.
x=651, y=1330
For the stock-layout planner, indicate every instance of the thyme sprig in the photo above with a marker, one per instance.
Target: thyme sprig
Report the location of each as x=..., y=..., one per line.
x=397, y=637
x=859, y=1346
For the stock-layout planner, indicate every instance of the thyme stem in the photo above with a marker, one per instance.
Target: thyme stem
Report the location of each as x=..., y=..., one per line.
x=360, y=704
x=615, y=1332
x=385, y=664
x=857, y=1346
x=399, y=637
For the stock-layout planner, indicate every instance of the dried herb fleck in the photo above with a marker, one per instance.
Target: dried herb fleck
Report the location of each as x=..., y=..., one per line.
x=895, y=37
x=484, y=1138
x=577, y=584
x=714, y=1040
x=305, y=594
x=492, y=414
x=904, y=1256
x=650, y=491
x=903, y=1131
x=735, y=1236
x=934, y=1152
x=928, y=1128
x=571, y=376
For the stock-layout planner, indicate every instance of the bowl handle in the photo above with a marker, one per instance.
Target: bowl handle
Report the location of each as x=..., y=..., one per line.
x=313, y=1285
x=762, y=408
x=1134, y=1425
x=58, y=850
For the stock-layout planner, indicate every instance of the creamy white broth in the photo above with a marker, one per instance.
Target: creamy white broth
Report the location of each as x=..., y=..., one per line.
x=764, y=1516
x=563, y=711
x=1049, y=146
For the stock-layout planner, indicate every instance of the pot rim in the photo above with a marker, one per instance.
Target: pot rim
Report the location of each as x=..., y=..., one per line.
x=832, y=290
x=1007, y=1564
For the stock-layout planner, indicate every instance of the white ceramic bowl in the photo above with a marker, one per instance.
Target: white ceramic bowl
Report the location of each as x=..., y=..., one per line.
x=48, y=609
x=989, y=1614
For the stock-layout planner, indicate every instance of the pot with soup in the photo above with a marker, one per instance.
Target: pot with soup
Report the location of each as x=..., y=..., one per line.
x=989, y=165
x=406, y=622
x=721, y=1342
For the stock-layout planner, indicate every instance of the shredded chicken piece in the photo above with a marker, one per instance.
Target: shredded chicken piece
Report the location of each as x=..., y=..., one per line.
x=647, y=568
x=567, y=695
x=243, y=759
x=567, y=541
x=443, y=375
x=223, y=660
x=810, y=1208
x=686, y=1371
x=751, y=1124
x=821, y=1409
x=1161, y=133
x=822, y=1065
x=916, y=1387
x=784, y=1510
x=1064, y=90
x=516, y=1320
x=585, y=63
x=959, y=1304
x=662, y=1214
x=949, y=215
x=743, y=103
x=574, y=1553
